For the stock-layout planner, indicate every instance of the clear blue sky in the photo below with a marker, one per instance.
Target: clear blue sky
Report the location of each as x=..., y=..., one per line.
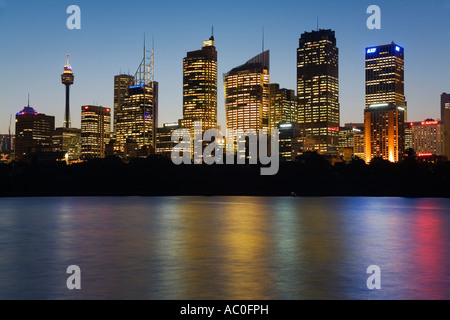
x=34, y=41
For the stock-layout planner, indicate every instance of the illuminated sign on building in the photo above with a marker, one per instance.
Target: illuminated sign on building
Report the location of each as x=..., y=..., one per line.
x=429, y=123
x=372, y=50
x=425, y=154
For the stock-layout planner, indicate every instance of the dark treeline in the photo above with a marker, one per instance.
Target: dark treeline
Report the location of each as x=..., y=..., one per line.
x=310, y=175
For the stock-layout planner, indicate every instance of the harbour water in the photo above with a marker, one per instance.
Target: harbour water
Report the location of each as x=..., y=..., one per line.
x=224, y=248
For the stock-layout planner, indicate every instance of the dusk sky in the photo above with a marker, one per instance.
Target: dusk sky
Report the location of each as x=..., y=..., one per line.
x=34, y=41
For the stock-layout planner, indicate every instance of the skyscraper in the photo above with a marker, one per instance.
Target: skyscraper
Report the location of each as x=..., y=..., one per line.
x=426, y=137
x=385, y=131
x=164, y=143
x=283, y=105
x=95, y=131
x=200, y=87
x=247, y=95
x=445, y=118
x=121, y=84
x=34, y=132
x=318, y=89
x=385, y=75
x=385, y=100
x=137, y=117
x=67, y=78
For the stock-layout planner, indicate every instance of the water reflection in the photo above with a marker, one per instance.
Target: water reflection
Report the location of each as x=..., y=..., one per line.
x=224, y=247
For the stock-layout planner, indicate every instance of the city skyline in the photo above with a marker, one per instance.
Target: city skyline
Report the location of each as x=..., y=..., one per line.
x=95, y=68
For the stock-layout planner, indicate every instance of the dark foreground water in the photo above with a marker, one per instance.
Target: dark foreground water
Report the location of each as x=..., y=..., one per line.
x=224, y=247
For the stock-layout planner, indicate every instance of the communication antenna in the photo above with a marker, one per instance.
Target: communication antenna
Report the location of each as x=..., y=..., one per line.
x=263, y=39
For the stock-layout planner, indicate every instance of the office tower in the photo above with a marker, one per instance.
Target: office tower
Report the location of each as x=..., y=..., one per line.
x=359, y=144
x=385, y=75
x=247, y=96
x=95, y=131
x=5, y=143
x=164, y=143
x=137, y=118
x=291, y=144
x=200, y=87
x=408, y=136
x=282, y=105
x=427, y=137
x=318, y=88
x=351, y=137
x=68, y=140
x=385, y=131
x=121, y=84
x=34, y=132
x=67, y=78
x=445, y=118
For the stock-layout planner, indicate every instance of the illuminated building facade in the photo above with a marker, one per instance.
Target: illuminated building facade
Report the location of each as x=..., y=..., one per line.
x=247, y=96
x=359, y=145
x=291, y=144
x=283, y=105
x=385, y=131
x=385, y=75
x=200, y=87
x=318, y=89
x=351, y=137
x=408, y=136
x=427, y=137
x=164, y=143
x=5, y=143
x=95, y=131
x=445, y=118
x=138, y=117
x=121, y=84
x=34, y=132
x=69, y=141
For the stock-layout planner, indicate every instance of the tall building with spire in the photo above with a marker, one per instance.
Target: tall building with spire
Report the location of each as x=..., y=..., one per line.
x=247, y=95
x=67, y=78
x=137, y=118
x=200, y=87
x=318, y=89
x=67, y=139
x=34, y=132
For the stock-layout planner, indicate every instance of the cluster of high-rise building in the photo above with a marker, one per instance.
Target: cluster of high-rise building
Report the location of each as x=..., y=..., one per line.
x=308, y=120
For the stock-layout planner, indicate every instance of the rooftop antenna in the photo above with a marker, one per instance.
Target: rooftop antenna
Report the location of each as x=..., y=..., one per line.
x=28, y=100
x=212, y=32
x=153, y=58
x=263, y=39
x=9, y=132
x=317, y=23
